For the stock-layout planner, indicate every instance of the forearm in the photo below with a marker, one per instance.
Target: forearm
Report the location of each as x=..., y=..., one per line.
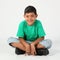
x=26, y=45
x=38, y=40
x=23, y=42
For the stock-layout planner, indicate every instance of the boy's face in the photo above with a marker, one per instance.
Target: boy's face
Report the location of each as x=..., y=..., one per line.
x=30, y=18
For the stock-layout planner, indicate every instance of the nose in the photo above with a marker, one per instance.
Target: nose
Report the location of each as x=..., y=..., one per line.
x=29, y=18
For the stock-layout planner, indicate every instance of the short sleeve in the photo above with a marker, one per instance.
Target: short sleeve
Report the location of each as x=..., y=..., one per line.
x=20, y=32
x=41, y=31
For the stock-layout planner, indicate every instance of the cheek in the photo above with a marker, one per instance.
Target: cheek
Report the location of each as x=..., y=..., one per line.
x=33, y=18
x=26, y=19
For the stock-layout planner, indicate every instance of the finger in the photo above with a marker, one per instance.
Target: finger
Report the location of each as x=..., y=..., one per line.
x=35, y=52
x=32, y=53
x=26, y=54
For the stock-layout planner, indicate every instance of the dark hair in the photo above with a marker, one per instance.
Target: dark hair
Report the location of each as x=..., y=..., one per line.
x=29, y=9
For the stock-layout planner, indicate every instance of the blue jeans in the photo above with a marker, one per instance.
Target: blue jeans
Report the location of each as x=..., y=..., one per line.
x=47, y=43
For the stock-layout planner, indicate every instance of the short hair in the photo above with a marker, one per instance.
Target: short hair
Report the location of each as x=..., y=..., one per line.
x=30, y=9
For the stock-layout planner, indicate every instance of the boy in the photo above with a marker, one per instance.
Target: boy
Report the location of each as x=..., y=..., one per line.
x=30, y=35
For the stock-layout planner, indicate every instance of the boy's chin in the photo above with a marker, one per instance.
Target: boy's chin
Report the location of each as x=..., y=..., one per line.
x=30, y=24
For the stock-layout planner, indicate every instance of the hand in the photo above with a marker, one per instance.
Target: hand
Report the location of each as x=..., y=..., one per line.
x=33, y=51
x=27, y=49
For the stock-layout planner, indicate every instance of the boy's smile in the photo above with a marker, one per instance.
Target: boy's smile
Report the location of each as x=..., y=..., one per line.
x=30, y=18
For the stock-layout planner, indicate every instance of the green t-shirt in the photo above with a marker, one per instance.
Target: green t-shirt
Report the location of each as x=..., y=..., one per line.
x=30, y=33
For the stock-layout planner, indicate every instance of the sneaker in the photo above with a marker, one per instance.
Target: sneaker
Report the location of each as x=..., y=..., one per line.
x=19, y=51
x=42, y=51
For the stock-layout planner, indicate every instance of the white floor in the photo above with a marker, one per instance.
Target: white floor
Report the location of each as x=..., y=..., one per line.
x=7, y=52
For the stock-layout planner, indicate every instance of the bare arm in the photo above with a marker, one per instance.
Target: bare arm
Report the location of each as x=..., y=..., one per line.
x=37, y=40
x=23, y=42
x=26, y=45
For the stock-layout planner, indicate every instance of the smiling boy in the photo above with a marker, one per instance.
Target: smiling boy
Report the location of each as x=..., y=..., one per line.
x=31, y=35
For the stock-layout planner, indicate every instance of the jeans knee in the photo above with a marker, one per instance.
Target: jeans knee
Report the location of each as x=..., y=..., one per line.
x=11, y=39
x=49, y=43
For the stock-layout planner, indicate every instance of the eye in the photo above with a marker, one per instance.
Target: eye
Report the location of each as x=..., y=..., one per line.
x=32, y=15
x=27, y=16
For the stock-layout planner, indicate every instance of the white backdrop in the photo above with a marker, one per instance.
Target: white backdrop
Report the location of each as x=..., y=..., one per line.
x=11, y=13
